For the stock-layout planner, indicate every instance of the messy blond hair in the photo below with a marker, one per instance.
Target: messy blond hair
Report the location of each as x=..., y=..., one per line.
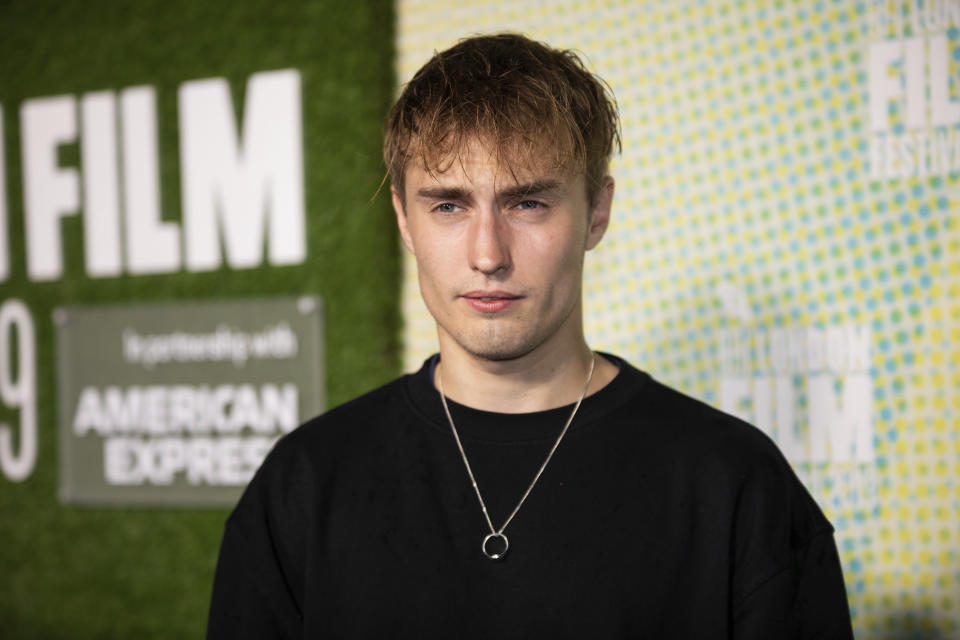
x=520, y=98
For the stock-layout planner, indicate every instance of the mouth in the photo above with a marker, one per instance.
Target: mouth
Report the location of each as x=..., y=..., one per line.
x=490, y=301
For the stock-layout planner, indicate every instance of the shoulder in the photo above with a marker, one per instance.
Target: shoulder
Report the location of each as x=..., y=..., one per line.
x=704, y=434
x=720, y=457
x=741, y=479
x=361, y=412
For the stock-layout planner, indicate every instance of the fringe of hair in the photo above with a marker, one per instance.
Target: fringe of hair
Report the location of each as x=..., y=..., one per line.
x=522, y=99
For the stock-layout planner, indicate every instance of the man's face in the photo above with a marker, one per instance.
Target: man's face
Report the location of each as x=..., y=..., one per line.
x=500, y=253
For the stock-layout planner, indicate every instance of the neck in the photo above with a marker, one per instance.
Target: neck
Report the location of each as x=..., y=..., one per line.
x=542, y=379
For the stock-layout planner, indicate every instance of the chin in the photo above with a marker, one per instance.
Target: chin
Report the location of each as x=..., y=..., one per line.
x=497, y=354
x=500, y=348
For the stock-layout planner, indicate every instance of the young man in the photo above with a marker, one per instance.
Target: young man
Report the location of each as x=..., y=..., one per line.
x=520, y=485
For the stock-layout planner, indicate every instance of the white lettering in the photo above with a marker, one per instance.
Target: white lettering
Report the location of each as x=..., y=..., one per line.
x=231, y=472
x=943, y=110
x=763, y=375
x=279, y=407
x=89, y=415
x=242, y=192
x=101, y=191
x=883, y=22
x=877, y=159
x=183, y=410
x=153, y=417
x=773, y=401
x=934, y=15
x=243, y=199
x=4, y=237
x=225, y=344
x=846, y=426
x=152, y=246
x=201, y=455
x=858, y=348
x=884, y=87
x=913, y=77
x=122, y=410
x=228, y=461
x=170, y=458
x=816, y=349
x=245, y=411
x=118, y=467
x=180, y=409
x=18, y=392
x=916, y=153
x=788, y=437
x=49, y=191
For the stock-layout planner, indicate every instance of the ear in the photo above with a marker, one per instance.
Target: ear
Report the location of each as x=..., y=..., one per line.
x=401, y=218
x=600, y=216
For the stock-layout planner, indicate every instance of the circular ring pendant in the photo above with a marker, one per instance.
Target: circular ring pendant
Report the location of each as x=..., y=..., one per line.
x=498, y=554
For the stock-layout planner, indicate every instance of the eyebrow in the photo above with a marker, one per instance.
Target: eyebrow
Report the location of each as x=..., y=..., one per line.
x=515, y=191
x=443, y=193
x=530, y=188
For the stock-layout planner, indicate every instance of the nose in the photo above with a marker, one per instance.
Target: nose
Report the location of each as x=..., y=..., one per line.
x=489, y=250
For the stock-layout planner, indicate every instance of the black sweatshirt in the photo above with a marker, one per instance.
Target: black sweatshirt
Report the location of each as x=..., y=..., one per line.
x=659, y=517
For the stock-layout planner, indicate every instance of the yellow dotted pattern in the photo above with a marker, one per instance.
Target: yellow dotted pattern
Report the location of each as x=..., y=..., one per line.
x=746, y=167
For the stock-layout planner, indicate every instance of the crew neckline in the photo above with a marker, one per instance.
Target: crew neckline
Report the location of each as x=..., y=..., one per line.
x=491, y=426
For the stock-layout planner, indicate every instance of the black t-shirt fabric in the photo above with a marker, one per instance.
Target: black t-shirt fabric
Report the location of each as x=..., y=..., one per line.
x=658, y=517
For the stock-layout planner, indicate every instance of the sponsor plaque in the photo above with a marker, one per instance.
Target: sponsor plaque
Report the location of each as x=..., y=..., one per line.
x=177, y=404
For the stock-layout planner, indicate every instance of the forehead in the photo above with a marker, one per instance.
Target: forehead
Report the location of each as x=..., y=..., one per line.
x=476, y=163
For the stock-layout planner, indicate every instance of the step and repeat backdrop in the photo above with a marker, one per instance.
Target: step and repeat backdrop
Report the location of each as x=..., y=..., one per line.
x=194, y=259
x=785, y=245
x=192, y=263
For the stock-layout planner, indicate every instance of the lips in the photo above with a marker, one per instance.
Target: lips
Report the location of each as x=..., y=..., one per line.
x=490, y=301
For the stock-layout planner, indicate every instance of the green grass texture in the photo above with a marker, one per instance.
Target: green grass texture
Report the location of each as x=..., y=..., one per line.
x=73, y=572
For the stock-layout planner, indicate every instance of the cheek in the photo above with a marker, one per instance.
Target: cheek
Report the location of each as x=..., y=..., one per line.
x=559, y=254
x=434, y=263
x=428, y=273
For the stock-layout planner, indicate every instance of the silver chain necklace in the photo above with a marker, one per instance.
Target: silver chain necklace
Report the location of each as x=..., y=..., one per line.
x=494, y=532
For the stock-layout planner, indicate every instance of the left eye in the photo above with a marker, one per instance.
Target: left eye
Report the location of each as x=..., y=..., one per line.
x=446, y=207
x=528, y=204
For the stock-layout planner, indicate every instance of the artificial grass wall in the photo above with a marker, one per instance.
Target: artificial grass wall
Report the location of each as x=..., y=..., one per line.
x=146, y=573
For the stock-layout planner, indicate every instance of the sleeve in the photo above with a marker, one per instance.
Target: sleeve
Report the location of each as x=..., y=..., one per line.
x=787, y=579
x=252, y=597
x=804, y=600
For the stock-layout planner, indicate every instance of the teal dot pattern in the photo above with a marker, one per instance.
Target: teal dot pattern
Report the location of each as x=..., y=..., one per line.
x=745, y=207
